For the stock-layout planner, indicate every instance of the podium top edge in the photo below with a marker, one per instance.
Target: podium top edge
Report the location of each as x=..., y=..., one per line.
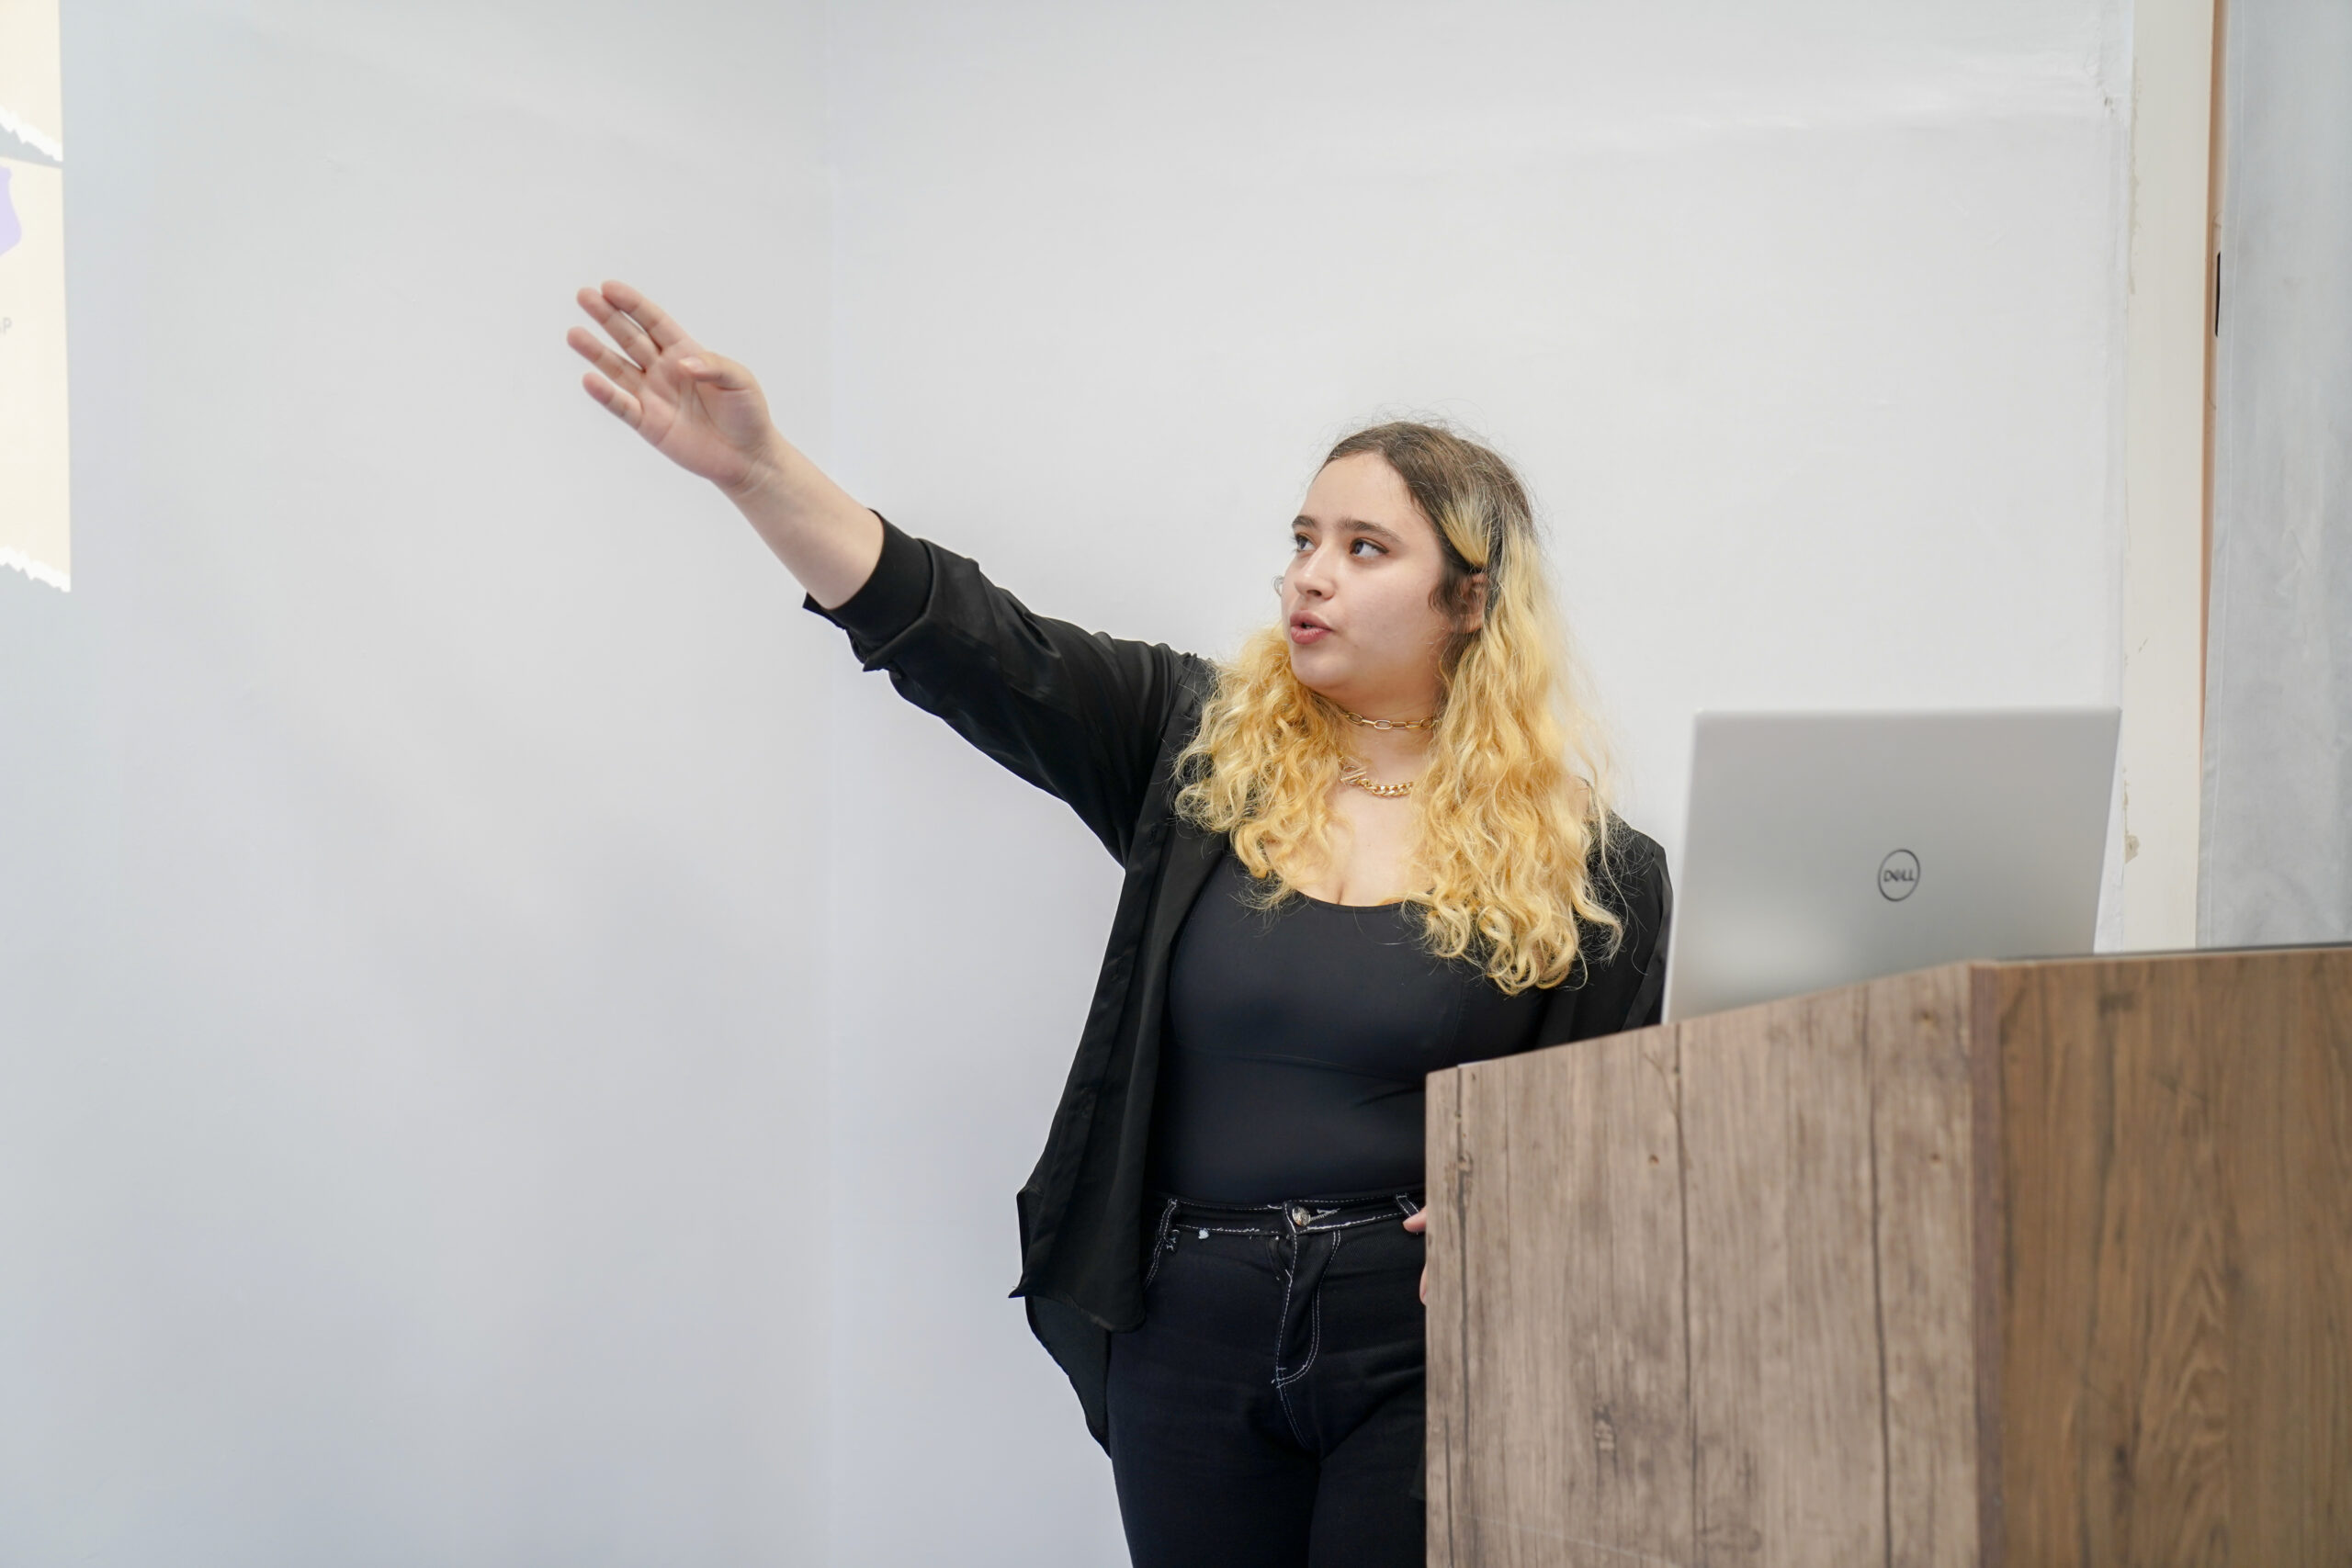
x=2134, y=956
x=1970, y=965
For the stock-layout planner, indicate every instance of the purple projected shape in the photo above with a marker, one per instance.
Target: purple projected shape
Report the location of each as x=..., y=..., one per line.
x=11, y=231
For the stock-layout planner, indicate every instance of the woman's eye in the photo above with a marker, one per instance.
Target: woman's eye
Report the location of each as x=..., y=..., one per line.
x=1298, y=542
x=1368, y=545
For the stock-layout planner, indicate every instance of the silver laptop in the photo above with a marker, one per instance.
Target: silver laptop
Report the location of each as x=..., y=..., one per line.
x=1828, y=848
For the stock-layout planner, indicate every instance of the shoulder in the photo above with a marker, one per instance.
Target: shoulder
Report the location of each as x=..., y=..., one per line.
x=1620, y=982
x=1629, y=868
x=1630, y=880
x=1196, y=681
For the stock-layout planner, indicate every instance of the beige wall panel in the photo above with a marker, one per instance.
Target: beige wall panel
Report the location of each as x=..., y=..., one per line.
x=33, y=462
x=29, y=88
x=2167, y=310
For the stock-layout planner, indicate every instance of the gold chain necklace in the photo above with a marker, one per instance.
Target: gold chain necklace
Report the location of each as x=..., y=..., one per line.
x=1428, y=723
x=1354, y=772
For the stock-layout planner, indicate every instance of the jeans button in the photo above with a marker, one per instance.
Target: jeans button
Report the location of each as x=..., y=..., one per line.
x=1299, y=1216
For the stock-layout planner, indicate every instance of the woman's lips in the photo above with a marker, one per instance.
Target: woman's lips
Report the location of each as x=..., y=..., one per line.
x=1306, y=630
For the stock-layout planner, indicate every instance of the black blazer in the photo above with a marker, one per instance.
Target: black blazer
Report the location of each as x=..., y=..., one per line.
x=1098, y=722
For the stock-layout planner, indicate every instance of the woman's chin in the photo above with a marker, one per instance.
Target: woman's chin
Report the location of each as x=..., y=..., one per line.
x=1312, y=667
x=1327, y=678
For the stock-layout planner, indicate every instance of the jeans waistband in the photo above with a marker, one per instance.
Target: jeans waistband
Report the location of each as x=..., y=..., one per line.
x=1298, y=1215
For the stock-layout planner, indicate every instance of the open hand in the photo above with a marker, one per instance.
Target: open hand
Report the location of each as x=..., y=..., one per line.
x=1419, y=1222
x=703, y=413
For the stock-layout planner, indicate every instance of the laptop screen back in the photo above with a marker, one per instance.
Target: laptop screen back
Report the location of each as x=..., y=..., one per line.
x=1826, y=849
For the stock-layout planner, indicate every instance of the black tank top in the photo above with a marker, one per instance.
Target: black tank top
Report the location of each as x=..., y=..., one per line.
x=1295, y=1044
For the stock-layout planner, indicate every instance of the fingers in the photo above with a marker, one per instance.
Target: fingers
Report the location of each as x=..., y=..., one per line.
x=1418, y=1222
x=666, y=334
x=642, y=334
x=590, y=347
x=626, y=409
x=1425, y=1287
x=592, y=300
x=626, y=332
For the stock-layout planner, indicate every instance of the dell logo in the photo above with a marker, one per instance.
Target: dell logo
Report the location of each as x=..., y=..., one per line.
x=1898, y=875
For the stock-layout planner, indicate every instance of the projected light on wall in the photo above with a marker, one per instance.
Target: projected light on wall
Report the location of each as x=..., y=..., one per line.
x=33, y=468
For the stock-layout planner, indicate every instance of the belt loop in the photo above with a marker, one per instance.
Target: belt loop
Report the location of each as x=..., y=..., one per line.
x=1405, y=1201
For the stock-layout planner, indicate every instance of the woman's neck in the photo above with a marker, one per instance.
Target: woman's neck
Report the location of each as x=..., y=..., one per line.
x=1389, y=755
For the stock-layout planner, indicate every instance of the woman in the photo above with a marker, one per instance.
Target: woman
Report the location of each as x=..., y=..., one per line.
x=1375, y=844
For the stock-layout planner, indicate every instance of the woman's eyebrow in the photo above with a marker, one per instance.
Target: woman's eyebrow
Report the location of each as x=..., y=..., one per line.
x=1357, y=525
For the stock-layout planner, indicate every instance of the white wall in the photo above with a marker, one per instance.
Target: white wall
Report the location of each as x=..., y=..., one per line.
x=1803, y=321
x=411, y=1075
x=2278, y=824
x=437, y=835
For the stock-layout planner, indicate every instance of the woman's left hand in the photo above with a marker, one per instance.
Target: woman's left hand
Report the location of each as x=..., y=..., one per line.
x=1418, y=1224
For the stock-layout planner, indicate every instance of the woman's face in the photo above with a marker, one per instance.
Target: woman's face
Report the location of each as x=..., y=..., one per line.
x=1357, y=598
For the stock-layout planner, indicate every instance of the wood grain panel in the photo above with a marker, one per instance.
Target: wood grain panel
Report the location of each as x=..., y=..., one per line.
x=1449, y=1465
x=2311, y=1289
x=1558, y=1410
x=1783, y=1285
x=1922, y=1096
x=1988, y=1288
x=2175, y=1257
x=2012, y=1264
x=2113, y=1404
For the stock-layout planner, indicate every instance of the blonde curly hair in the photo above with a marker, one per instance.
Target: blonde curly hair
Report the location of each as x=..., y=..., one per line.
x=1513, y=807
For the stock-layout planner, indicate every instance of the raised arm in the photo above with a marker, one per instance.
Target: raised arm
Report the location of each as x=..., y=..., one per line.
x=1081, y=716
x=704, y=414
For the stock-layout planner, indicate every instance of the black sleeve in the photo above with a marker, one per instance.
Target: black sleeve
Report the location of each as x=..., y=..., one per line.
x=1625, y=990
x=1079, y=714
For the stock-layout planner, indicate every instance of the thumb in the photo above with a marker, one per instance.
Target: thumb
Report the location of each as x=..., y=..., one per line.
x=1418, y=1222
x=711, y=370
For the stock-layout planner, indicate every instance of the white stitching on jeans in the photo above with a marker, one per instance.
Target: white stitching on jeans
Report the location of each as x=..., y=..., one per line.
x=1304, y=1230
x=1315, y=1331
x=1282, y=1384
x=1160, y=1246
x=1276, y=1221
x=1347, y=1225
x=1289, y=1274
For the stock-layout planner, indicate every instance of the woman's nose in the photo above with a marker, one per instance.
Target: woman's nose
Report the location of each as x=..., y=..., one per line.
x=1311, y=573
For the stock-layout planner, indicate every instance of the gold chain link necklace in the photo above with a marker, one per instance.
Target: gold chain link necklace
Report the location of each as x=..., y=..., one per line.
x=1428, y=723
x=1354, y=772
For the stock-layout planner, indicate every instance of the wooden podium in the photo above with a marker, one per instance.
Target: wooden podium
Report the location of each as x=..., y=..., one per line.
x=2023, y=1264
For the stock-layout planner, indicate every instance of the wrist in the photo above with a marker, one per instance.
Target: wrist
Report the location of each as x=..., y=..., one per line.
x=767, y=474
x=823, y=536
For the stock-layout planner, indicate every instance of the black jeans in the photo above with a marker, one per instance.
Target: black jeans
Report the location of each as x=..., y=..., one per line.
x=1269, y=1412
